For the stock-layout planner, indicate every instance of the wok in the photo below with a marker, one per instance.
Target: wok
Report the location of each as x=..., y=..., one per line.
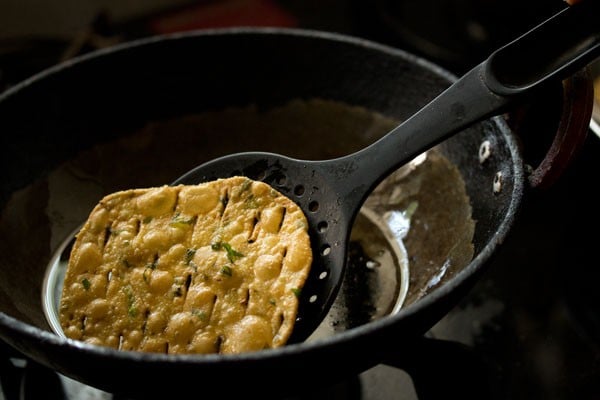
x=67, y=111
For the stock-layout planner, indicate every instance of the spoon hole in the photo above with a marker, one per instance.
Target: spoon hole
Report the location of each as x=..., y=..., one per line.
x=261, y=175
x=280, y=180
x=313, y=206
x=322, y=226
x=323, y=275
x=326, y=249
x=312, y=298
x=299, y=190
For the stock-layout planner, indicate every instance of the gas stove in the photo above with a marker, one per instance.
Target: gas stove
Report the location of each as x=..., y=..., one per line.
x=530, y=328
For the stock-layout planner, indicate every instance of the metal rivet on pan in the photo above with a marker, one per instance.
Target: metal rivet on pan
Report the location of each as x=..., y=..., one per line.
x=497, y=182
x=485, y=150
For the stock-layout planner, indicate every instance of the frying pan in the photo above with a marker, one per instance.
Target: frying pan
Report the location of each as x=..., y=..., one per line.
x=66, y=111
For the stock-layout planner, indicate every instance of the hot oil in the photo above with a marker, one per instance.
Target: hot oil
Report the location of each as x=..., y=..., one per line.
x=413, y=233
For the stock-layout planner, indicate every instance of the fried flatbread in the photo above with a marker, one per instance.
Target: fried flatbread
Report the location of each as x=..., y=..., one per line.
x=209, y=268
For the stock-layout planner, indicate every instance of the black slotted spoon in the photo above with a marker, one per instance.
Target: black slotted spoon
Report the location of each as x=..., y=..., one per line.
x=331, y=192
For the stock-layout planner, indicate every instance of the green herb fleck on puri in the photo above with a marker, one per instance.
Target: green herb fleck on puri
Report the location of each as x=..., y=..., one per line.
x=189, y=255
x=131, y=308
x=86, y=284
x=251, y=202
x=226, y=270
x=200, y=314
x=245, y=185
x=232, y=254
x=132, y=311
x=180, y=221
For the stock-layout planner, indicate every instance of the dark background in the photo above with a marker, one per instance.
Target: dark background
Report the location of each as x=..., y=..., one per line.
x=530, y=329
x=453, y=33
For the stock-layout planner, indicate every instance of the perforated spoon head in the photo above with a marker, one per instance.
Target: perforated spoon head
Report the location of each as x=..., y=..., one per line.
x=328, y=221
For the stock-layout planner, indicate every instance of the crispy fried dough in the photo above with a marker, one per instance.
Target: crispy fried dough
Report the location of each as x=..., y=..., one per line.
x=211, y=268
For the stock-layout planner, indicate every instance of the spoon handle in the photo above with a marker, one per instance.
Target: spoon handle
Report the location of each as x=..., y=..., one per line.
x=554, y=49
x=551, y=51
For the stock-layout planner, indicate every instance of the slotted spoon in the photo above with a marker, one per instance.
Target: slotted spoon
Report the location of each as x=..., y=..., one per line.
x=331, y=192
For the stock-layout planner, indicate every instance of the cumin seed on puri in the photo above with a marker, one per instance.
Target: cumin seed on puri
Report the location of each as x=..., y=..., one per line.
x=209, y=268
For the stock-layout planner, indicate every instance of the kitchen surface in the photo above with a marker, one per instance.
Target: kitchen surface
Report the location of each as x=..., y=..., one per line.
x=529, y=329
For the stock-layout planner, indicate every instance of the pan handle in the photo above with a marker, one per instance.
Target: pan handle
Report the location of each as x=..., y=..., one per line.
x=567, y=132
x=559, y=47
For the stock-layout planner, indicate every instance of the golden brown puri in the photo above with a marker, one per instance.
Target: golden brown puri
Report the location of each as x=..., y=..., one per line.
x=210, y=268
